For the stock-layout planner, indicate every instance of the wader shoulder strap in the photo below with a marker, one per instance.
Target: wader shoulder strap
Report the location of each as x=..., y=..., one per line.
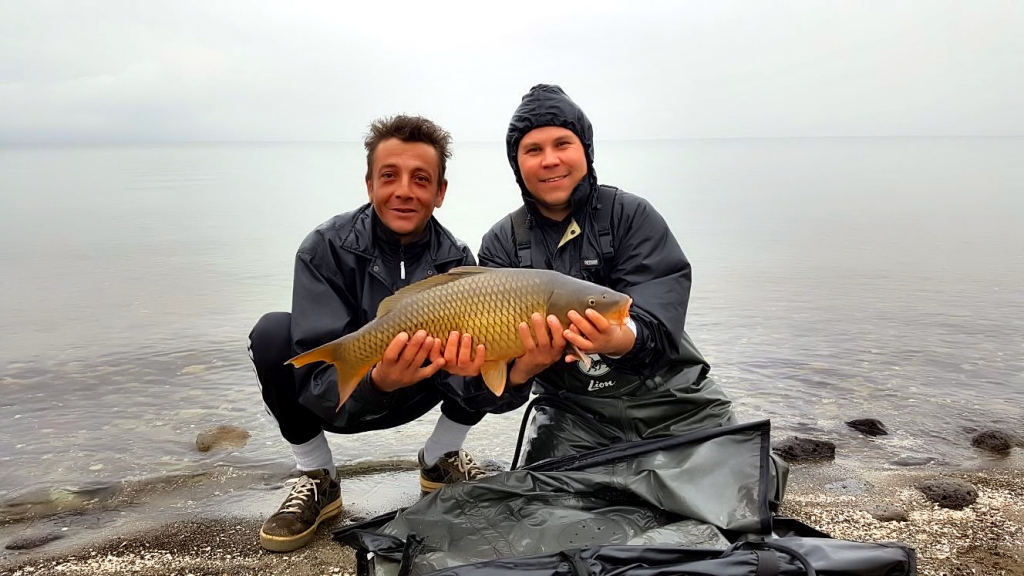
x=521, y=236
x=603, y=215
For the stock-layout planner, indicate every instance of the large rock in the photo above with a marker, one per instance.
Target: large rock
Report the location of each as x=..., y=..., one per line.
x=30, y=542
x=998, y=441
x=869, y=426
x=887, y=513
x=221, y=437
x=952, y=494
x=795, y=449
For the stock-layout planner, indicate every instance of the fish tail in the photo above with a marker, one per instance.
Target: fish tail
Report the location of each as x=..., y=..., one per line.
x=339, y=353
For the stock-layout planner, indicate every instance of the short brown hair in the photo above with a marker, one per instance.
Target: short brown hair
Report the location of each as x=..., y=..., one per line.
x=408, y=129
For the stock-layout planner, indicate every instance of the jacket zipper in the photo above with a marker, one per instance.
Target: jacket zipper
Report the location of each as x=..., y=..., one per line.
x=401, y=263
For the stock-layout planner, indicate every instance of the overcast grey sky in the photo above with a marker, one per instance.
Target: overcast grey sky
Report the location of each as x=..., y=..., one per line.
x=134, y=70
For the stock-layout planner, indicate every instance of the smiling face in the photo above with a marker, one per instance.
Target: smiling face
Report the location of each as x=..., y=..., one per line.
x=404, y=186
x=552, y=162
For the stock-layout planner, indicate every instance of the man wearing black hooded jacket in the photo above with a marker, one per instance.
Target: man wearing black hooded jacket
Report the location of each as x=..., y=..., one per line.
x=645, y=380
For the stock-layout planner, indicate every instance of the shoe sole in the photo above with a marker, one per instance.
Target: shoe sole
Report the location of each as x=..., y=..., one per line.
x=290, y=543
x=426, y=486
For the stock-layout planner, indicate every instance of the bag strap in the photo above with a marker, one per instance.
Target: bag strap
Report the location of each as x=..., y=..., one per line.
x=767, y=563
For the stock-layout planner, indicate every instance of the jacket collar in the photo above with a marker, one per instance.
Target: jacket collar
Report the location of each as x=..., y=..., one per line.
x=361, y=238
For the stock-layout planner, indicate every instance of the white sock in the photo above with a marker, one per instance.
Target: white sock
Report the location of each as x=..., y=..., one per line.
x=448, y=436
x=314, y=455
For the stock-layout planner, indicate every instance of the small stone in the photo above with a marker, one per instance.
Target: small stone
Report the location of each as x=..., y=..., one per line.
x=869, y=426
x=30, y=542
x=492, y=466
x=849, y=487
x=887, y=513
x=998, y=441
x=952, y=494
x=221, y=436
x=796, y=448
x=907, y=460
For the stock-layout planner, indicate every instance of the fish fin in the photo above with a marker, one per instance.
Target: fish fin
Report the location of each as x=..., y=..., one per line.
x=326, y=353
x=495, y=373
x=585, y=358
x=349, y=374
x=453, y=275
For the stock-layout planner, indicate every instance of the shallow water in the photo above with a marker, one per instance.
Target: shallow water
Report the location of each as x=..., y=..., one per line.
x=833, y=279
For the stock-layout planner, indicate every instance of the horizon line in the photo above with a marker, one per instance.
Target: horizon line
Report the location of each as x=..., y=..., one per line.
x=116, y=142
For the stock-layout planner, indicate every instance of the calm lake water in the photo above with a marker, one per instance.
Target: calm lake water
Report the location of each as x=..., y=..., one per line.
x=833, y=279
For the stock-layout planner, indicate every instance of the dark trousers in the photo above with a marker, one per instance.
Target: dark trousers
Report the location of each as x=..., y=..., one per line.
x=270, y=346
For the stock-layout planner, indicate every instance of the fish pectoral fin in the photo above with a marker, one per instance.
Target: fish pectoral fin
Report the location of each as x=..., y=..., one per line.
x=495, y=375
x=585, y=358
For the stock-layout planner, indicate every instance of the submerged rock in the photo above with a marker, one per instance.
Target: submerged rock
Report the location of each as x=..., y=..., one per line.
x=952, y=494
x=194, y=369
x=221, y=437
x=869, y=426
x=998, y=441
x=795, y=448
x=30, y=542
x=887, y=513
x=907, y=460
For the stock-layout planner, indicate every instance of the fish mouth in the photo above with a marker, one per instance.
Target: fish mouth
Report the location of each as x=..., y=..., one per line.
x=621, y=318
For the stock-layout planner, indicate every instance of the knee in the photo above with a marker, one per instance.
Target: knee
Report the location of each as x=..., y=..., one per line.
x=270, y=341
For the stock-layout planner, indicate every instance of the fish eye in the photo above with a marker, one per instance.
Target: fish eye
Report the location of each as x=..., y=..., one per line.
x=592, y=301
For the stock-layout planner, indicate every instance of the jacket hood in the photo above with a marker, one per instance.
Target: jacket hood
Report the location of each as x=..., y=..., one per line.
x=549, y=105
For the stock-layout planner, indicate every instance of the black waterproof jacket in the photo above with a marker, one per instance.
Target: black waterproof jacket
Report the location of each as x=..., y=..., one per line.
x=661, y=386
x=343, y=270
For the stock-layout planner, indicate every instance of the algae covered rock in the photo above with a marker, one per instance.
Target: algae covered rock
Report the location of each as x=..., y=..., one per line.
x=222, y=437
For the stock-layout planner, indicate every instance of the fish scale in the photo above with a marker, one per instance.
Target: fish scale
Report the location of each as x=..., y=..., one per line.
x=487, y=303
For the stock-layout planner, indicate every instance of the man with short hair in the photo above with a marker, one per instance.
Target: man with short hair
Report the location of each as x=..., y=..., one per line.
x=343, y=270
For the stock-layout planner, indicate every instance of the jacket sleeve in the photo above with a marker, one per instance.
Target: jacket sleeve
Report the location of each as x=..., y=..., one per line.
x=473, y=393
x=323, y=309
x=496, y=247
x=649, y=266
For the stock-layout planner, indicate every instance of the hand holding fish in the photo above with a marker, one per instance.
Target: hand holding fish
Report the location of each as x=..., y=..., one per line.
x=458, y=356
x=548, y=347
x=594, y=334
x=402, y=363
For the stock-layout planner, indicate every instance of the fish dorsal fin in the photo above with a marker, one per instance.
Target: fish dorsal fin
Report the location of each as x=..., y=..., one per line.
x=403, y=294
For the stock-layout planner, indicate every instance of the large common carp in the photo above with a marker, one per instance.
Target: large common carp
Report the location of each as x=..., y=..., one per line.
x=488, y=303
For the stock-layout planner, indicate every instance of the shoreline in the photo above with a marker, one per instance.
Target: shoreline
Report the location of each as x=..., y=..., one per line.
x=210, y=527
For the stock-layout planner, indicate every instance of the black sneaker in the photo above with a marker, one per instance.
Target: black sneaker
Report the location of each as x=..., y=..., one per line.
x=315, y=497
x=453, y=467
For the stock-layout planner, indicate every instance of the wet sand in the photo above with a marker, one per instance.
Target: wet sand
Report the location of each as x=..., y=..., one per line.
x=210, y=527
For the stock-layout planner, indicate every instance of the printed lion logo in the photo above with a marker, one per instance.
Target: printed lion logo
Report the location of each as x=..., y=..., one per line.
x=597, y=366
